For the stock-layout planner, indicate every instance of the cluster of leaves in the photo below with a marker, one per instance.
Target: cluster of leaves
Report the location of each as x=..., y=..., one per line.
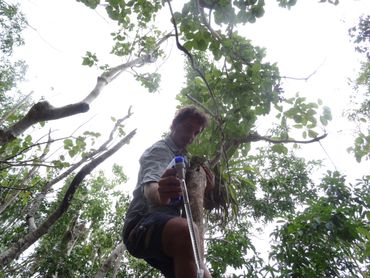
x=84, y=237
x=132, y=39
x=12, y=22
x=360, y=114
x=232, y=251
x=331, y=236
x=230, y=77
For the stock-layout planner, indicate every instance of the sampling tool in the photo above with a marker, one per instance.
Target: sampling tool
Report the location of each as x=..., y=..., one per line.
x=180, y=168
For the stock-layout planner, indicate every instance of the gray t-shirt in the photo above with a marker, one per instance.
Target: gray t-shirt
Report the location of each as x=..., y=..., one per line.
x=153, y=164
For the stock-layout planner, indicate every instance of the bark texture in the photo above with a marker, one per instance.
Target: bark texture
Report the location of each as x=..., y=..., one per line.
x=196, y=182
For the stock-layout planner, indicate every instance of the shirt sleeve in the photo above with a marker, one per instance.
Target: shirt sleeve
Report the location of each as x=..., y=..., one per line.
x=153, y=163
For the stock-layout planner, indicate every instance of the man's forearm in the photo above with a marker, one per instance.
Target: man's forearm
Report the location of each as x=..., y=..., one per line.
x=151, y=192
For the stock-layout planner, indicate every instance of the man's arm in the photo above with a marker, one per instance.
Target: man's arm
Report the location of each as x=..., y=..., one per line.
x=151, y=193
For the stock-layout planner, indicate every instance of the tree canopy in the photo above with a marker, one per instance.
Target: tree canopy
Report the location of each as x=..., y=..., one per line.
x=58, y=217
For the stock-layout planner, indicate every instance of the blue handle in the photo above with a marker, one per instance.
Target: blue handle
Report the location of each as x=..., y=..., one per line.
x=179, y=159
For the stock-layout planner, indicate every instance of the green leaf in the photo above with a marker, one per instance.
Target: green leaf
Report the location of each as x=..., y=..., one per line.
x=89, y=59
x=200, y=44
x=189, y=45
x=327, y=113
x=67, y=143
x=279, y=148
x=323, y=120
x=312, y=134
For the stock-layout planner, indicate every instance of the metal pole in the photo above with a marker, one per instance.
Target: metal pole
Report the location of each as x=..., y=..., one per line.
x=180, y=167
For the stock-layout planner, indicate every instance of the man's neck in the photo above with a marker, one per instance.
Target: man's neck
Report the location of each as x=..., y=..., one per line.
x=183, y=150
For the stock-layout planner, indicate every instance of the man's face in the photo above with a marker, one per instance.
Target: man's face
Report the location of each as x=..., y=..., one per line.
x=184, y=133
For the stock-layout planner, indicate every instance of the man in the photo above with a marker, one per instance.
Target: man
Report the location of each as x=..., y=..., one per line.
x=154, y=229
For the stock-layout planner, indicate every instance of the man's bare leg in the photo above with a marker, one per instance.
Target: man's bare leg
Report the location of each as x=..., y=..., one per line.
x=177, y=244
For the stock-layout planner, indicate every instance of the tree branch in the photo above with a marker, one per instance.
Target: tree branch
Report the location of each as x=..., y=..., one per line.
x=23, y=243
x=24, y=180
x=307, y=77
x=255, y=137
x=197, y=102
x=33, y=207
x=110, y=260
x=110, y=75
x=41, y=111
x=194, y=66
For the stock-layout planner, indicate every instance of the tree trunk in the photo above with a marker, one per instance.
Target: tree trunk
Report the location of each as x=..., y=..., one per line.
x=196, y=182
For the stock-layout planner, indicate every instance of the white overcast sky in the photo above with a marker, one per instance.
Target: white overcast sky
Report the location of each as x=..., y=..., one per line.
x=309, y=37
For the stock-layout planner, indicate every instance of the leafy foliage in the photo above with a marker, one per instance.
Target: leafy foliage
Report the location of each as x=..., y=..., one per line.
x=12, y=22
x=330, y=238
x=87, y=233
x=360, y=114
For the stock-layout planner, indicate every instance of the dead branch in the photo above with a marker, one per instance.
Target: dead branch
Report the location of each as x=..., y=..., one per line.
x=307, y=77
x=26, y=241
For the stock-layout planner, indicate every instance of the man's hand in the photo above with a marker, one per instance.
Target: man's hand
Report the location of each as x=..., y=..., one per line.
x=169, y=186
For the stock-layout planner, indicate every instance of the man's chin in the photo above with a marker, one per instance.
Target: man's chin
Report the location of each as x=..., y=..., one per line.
x=187, y=143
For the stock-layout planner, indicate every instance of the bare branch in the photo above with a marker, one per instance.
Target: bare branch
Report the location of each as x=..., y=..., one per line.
x=32, y=146
x=307, y=77
x=17, y=188
x=41, y=111
x=111, y=74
